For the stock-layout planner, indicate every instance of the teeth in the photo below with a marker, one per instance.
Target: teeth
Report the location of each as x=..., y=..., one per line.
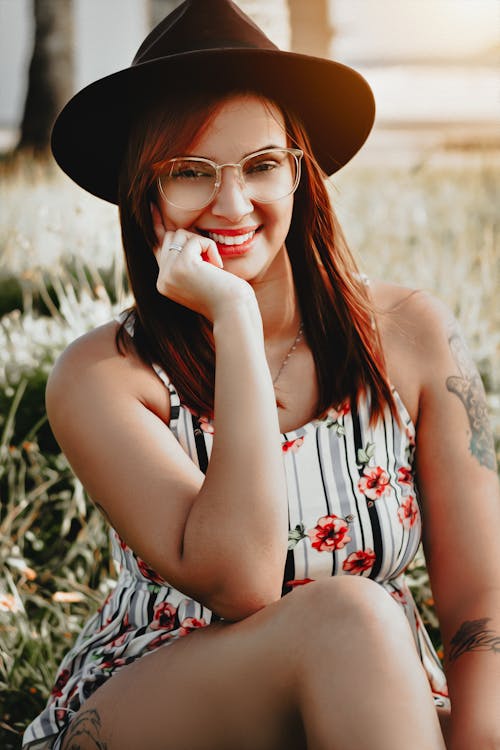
x=223, y=239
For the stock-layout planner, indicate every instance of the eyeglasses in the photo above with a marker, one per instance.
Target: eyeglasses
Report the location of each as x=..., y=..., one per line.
x=191, y=182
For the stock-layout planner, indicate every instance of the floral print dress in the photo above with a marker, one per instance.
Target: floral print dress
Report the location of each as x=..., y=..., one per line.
x=353, y=510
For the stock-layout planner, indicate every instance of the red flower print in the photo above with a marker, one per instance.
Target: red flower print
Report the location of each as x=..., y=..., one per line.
x=104, y=602
x=340, y=411
x=105, y=624
x=164, y=616
x=399, y=597
x=191, y=623
x=375, y=483
x=329, y=534
x=410, y=435
x=112, y=663
x=148, y=572
x=408, y=512
x=60, y=683
x=443, y=690
x=120, y=541
x=161, y=638
x=122, y=638
x=206, y=425
x=359, y=561
x=116, y=642
x=404, y=475
x=299, y=582
x=292, y=445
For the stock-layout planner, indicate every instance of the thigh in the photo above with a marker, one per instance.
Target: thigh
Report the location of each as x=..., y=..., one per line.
x=238, y=686
x=226, y=686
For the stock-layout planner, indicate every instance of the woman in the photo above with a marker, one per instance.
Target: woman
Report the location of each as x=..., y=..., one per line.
x=264, y=503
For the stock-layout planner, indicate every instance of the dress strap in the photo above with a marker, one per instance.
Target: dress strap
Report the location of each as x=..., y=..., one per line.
x=175, y=402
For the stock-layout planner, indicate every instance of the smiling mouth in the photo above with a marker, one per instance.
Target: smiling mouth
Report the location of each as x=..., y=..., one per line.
x=232, y=238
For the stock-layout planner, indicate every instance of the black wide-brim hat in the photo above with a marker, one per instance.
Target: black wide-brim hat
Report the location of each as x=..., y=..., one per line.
x=206, y=44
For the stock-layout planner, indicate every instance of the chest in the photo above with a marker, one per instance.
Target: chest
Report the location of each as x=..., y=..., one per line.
x=297, y=391
x=352, y=501
x=353, y=506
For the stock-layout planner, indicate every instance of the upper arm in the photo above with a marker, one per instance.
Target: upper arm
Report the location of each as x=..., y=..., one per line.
x=121, y=448
x=456, y=466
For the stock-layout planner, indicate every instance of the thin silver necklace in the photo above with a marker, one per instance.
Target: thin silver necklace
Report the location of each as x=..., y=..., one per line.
x=290, y=352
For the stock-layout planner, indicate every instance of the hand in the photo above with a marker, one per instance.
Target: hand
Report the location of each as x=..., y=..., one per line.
x=194, y=277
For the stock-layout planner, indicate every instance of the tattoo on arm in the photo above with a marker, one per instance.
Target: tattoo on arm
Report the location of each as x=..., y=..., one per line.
x=85, y=732
x=473, y=635
x=469, y=389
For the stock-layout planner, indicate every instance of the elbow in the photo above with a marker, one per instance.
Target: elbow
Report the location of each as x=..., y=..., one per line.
x=239, y=598
x=235, y=587
x=243, y=605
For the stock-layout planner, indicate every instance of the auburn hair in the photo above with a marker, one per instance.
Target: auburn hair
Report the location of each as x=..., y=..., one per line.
x=337, y=315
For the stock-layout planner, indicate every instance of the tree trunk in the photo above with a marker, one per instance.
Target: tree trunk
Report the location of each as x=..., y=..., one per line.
x=50, y=82
x=312, y=31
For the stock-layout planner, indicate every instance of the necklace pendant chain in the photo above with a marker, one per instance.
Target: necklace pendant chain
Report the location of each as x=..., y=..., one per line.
x=290, y=352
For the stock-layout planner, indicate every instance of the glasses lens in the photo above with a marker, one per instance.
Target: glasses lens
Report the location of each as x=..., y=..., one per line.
x=271, y=175
x=189, y=183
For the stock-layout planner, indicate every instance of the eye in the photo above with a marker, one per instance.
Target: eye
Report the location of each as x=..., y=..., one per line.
x=263, y=166
x=190, y=170
x=188, y=174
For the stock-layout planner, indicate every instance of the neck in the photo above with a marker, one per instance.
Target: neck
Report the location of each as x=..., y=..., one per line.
x=277, y=300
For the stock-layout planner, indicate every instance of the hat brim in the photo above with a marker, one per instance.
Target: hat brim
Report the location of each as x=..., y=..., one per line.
x=334, y=102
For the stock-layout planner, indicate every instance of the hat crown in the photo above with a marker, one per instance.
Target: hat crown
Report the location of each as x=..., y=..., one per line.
x=202, y=25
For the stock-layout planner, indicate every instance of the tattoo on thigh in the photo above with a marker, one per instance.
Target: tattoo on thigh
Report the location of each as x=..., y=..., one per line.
x=84, y=732
x=474, y=635
x=469, y=389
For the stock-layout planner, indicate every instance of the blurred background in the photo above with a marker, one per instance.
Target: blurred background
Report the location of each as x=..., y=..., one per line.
x=418, y=204
x=433, y=64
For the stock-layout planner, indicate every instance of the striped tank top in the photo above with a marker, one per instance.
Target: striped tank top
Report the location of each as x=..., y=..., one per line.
x=353, y=509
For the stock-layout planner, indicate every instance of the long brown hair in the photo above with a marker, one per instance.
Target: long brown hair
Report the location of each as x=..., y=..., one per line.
x=336, y=311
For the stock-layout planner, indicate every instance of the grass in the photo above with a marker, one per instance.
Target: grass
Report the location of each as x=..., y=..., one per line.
x=432, y=226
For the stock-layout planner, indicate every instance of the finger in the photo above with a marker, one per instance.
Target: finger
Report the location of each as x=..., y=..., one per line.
x=212, y=255
x=198, y=246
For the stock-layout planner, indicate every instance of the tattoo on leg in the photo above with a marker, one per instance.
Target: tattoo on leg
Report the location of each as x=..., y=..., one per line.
x=84, y=732
x=469, y=389
x=473, y=635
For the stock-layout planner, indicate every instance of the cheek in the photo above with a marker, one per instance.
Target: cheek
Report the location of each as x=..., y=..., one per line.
x=283, y=218
x=177, y=219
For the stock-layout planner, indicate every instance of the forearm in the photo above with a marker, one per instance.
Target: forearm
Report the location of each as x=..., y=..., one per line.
x=240, y=514
x=472, y=658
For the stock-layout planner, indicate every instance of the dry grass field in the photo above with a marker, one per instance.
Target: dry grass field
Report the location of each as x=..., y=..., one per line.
x=427, y=225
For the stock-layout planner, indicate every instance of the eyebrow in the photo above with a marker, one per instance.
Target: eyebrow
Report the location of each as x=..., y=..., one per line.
x=253, y=151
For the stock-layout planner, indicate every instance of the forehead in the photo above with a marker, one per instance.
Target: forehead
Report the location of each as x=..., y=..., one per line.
x=241, y=125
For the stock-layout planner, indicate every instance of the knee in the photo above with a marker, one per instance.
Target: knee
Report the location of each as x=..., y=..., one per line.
x=350, y=604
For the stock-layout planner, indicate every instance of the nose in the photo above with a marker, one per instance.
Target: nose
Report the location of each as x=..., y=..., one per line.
x=231, y=201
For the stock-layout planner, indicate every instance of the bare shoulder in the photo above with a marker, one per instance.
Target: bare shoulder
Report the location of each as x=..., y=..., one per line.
x=94, y=363
x=421, y=318
x=415, y=328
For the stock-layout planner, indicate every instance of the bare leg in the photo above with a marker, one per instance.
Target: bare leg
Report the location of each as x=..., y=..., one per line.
x=332, y=666
x=372, y=692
